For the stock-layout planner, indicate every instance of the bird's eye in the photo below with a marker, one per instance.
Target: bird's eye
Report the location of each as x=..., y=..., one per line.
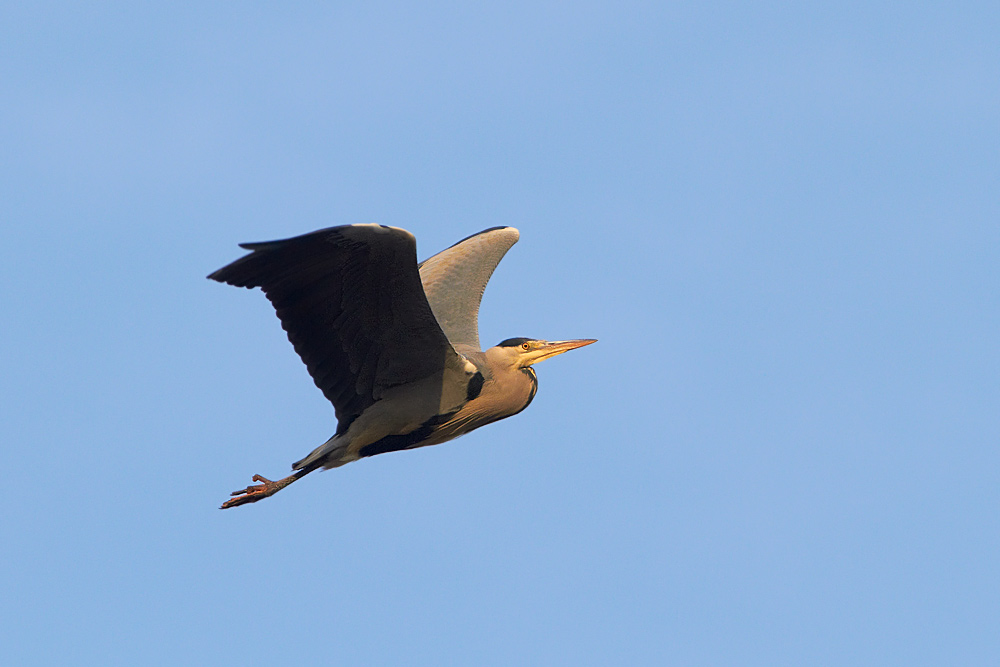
x=525, y=347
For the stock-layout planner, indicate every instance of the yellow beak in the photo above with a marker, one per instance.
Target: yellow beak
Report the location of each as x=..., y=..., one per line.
x=552, y=348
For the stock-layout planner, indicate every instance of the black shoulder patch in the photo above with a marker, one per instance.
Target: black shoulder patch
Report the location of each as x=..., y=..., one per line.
x=475, y=386
x=513, y=342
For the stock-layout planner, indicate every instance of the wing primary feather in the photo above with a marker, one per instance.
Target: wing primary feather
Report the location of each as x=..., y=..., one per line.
x=352, y=303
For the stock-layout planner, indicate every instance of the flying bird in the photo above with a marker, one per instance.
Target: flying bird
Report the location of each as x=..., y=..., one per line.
x=393, y=344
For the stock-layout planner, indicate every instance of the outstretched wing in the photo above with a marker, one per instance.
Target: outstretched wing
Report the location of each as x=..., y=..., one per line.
x=455, y=279
x=351, y=301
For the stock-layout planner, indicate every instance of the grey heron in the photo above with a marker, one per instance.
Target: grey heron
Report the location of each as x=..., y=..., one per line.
x=393, y=344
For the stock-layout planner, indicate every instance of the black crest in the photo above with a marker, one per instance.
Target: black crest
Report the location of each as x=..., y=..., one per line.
x=514, y=342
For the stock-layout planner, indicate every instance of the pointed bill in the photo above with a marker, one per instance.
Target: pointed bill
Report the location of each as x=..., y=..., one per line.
x=552, y=348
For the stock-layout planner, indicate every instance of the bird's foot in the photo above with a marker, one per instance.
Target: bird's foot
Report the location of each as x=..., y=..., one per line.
x=256, y=492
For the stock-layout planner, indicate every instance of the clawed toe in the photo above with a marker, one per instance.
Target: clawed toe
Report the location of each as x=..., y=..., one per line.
x=256, y=492
x=251, y=494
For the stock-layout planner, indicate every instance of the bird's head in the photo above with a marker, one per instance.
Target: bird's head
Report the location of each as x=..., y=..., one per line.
x=523, y=352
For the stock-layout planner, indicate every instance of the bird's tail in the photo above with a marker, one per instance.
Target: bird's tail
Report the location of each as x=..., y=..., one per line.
x=331, y=454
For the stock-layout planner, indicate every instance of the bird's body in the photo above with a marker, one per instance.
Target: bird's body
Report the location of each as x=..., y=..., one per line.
x=392, y=344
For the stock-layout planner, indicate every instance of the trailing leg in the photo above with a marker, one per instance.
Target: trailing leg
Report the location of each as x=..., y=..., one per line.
x=266, y=489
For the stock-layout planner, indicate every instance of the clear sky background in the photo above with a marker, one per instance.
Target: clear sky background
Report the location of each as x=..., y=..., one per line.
x=782, y=223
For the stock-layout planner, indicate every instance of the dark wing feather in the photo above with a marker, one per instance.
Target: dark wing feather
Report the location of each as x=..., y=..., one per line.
x=352, y=304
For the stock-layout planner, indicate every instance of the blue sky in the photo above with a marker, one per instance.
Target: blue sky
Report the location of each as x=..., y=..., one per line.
x=781, y=223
